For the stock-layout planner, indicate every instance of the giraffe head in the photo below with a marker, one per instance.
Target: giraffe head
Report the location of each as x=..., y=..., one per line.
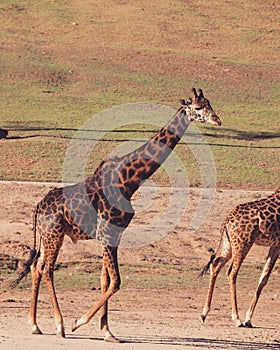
x=199, y=108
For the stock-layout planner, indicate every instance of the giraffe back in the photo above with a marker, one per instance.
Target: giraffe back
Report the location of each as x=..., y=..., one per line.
x=257, y=221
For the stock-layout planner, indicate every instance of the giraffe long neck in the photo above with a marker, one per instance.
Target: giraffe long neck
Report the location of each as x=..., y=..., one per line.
x=139, y=165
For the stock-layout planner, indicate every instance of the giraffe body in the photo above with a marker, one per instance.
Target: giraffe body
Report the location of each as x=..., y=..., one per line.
x=100, y=208
x=256, y=222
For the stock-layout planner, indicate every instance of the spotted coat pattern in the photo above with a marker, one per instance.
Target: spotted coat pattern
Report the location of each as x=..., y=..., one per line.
x=253, y=222
x=100, y=208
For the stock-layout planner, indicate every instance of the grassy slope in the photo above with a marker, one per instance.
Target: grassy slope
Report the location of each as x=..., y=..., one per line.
x=62, y=62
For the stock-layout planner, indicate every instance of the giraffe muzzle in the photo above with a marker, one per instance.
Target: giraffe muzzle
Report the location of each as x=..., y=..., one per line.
x=215, y=120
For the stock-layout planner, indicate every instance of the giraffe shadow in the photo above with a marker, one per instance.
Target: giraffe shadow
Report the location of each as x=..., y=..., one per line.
x=200, y=343
x=243, y=135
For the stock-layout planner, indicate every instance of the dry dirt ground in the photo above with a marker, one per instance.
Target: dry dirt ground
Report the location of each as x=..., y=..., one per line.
x=141, y=318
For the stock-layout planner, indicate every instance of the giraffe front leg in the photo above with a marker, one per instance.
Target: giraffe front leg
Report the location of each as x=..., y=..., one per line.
x=104, y=326
x=271, y=260
x=111, y=264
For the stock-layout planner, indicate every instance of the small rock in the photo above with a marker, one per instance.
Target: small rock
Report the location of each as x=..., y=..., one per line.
x=3, y=133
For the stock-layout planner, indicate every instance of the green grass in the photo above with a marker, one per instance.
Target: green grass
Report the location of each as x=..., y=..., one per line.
x=156, y=276
x=87, y=275
x=64, y=63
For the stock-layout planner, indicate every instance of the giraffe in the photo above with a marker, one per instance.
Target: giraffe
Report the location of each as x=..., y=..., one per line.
x=253, y=222
x=100, y=208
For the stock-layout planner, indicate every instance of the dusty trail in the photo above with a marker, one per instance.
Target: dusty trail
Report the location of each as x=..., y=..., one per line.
x=140, y=318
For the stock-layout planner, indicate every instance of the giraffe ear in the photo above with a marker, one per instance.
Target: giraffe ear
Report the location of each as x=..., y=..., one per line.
x=185, y=103
x=200, y=93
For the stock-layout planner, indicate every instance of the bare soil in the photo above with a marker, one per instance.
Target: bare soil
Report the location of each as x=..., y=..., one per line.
x=142, y=318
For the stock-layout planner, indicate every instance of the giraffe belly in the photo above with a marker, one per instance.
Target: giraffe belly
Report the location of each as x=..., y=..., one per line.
x=56, y=224
x=80, y=229
x=268, y=240
x=269, y=229
x=79, y=235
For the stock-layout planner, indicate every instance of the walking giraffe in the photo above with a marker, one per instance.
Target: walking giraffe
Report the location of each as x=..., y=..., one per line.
x=254, y=222
x=101, y=208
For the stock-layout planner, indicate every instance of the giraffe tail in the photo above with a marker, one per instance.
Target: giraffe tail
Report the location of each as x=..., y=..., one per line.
x=213, y=255
x=32, y=255
x=206, y=267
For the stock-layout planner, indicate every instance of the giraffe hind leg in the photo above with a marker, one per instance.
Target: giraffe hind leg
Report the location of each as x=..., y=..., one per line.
x=46, y=262
x=216, y=267
x=216, y=264
x=36, y=279
x=48, y=278
x=239, y=254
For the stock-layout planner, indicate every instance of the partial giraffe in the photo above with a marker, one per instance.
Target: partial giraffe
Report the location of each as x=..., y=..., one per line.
x=101, y=208
x=253, y=222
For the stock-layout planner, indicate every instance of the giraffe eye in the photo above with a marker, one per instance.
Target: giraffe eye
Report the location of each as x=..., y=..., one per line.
x=198, y=108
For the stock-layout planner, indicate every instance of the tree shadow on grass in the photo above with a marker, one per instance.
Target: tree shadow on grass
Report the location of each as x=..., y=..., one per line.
x=227, y=134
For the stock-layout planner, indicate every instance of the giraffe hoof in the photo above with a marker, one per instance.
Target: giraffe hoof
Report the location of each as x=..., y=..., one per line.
x=110, y=338
x=74, y=325
x=60, y=335
x=60, y=332
x=239, y=324
x=202, y=318
x=248, y=324
x=36, y=330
